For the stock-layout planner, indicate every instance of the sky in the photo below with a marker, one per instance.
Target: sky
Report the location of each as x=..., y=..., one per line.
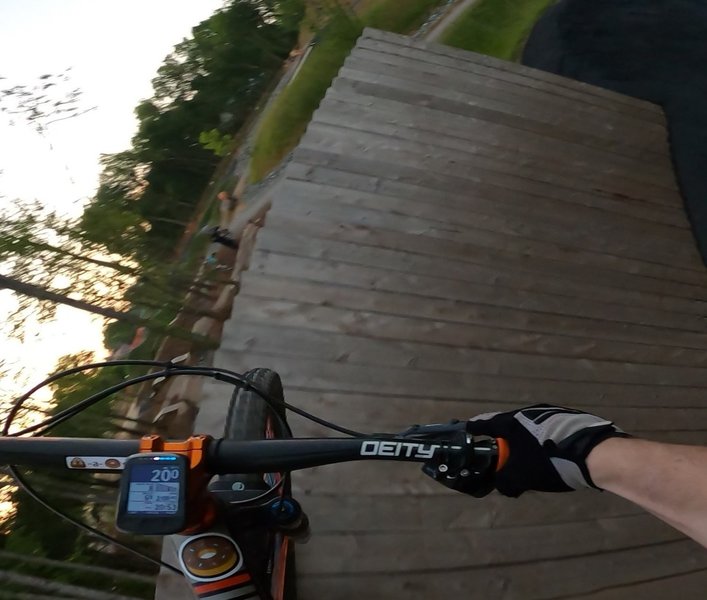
x=113, y=49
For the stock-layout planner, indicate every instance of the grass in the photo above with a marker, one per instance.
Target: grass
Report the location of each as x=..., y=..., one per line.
x=397, y=16
x=287, y=119
x=285, y=122
x=496, y=27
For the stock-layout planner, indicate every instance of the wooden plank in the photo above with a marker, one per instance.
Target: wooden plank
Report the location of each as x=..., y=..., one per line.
x=649, y=427
x=518, y=234
x=357, y=82
x=509, y=253
x=694, y=438
x=390, y=286
x=429, y=156
x=497, y=96
x=410, y=305
x=362, y=173
x=413, y=166
x=401, y=119
x=529, y=79
x=504, y=69
x=275, y=338
x=690, y=586
x=423, y=287
x=491, y=235
x=546, y=580
x=517, y=82
x=359, y=510
x=475, y=207
x=499, y=270
x=510, y=96
x=485, y=248
x=320, y=375
x=369, y=552
x=489, y=199
x=368, y=412
x=475, y=335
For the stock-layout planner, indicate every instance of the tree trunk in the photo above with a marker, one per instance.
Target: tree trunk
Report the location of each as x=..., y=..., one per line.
x=36, y=291
x=40, y=293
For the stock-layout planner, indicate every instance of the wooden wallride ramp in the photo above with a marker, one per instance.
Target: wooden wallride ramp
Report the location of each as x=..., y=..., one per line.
x=454, y=235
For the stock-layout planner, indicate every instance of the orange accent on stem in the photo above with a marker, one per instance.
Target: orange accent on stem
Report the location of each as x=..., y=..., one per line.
x=201, y=511
x=503, y=453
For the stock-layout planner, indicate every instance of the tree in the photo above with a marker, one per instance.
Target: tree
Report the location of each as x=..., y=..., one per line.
x=208, y=83
x=57, y=261
x=40, y=293
x=113, y=260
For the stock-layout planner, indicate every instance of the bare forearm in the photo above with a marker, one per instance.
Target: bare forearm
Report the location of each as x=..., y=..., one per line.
x=667, y=480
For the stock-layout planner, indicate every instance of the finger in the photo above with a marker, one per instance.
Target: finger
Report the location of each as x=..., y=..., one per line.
x=485, y=416
x=490, y=424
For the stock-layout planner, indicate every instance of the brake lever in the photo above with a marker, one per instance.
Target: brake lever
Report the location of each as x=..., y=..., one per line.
x=437, y=429
x=470, y=471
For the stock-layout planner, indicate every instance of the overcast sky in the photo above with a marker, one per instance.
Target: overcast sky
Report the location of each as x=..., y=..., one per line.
x=114, y=49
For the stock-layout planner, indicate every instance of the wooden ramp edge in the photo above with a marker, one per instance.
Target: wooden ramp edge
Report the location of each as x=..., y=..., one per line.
x=457, y=234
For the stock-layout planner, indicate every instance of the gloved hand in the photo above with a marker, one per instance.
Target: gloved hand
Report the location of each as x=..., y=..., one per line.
x=548, y=447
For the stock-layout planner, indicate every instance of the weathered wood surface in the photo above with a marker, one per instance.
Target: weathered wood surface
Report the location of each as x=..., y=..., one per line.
x=457, y=235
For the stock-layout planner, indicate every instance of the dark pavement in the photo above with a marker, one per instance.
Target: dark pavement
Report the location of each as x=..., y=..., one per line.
x=655, y=50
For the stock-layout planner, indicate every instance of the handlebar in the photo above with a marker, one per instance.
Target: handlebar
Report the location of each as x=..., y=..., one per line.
x=228, y=456
x=464, y=464
x=53, y=452
x=225, y=456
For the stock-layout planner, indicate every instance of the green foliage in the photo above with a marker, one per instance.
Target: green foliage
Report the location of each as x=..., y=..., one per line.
x=57, y=255
x=496, y=27
x=219, y=144
x=88, y=497
x=50, y=576
x=399, y=17
x=287, y=119
x=43, y=250
x=209, y=83
x=121, y=250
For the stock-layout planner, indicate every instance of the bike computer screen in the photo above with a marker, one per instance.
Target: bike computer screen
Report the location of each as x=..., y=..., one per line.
x=153, y=491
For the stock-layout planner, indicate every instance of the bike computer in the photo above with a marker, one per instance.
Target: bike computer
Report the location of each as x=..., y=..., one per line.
x=153, y=494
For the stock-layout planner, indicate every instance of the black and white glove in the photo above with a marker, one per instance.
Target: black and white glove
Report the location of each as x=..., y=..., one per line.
x=548, y=447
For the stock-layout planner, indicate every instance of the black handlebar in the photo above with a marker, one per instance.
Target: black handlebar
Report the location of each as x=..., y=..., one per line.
x=465, y=465
x=223, y=456
x=53, y=452
x=261, y=456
